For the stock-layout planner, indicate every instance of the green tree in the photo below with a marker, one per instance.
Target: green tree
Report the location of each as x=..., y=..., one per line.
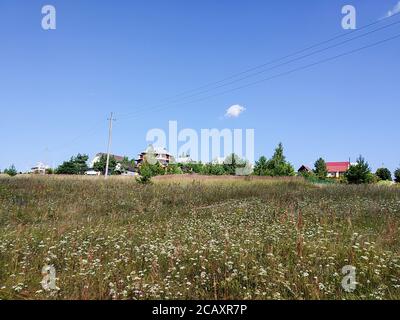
x=102, y=163
x=320, y=169
x=213, y=169
x=146, y=173
x=260, y=168
x=359, y=173
x=191, y=167
x=148, y=170
x=76, y=165
x=126, y=165
x=384, y=174
x=11, y=171
x=277, y=165
x=232, y=163
x=81, y=163
x=397, y=175
x=173, y=168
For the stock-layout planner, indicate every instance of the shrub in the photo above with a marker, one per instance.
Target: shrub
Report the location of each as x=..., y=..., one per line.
x=173, y=169
x=213, y=169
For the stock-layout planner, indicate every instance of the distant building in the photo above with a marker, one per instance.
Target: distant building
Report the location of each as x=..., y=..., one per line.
x=184, y=160
x=159, y=154
x=337, y=169
x=304, y=169
x=123, y=167
x=40, y=168
x=118, y=159
x=218, y=160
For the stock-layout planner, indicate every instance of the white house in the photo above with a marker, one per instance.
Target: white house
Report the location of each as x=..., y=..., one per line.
x=40, y=168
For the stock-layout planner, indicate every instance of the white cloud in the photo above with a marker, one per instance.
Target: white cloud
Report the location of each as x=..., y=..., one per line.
x=394, y=10
x=234, y=111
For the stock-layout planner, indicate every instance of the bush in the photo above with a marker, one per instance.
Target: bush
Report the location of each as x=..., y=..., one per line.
x=173, y=169
x=384, y=174
x=213, y=169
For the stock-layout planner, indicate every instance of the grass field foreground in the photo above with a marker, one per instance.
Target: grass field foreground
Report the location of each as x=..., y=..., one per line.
x=195, y=239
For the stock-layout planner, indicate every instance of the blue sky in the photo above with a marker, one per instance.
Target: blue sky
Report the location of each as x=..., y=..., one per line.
x=57, y=87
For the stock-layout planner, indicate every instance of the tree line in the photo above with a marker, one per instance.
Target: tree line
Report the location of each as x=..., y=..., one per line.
x=276, y=166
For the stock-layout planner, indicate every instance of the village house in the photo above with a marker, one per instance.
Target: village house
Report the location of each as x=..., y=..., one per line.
x=304, y=169
x=160, y=154
x=334, y=169
x=129, y=169
x=337, y=169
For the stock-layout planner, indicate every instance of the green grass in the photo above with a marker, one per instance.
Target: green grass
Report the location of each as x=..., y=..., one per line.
x=197, y=239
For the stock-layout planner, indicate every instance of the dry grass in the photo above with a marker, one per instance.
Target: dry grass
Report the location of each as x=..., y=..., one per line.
x=197, y=238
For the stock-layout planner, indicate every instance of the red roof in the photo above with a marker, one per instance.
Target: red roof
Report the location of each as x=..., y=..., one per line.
x=337, y=166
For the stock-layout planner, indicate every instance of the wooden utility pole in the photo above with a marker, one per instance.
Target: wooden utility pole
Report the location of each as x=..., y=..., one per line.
x=109, y=144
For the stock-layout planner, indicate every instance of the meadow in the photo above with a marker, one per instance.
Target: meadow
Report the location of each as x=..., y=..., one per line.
x=194, y=238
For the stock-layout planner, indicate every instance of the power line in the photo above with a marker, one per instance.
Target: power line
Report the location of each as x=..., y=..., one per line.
x=162, y=106
x=293, y=60
x=86, y=133
x=283, y=73
x=184, y=94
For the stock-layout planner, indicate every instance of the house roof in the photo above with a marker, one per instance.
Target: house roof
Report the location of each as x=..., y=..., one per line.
x=337, y=166
x=156, y=150
x=304, y=168
x=117, y=158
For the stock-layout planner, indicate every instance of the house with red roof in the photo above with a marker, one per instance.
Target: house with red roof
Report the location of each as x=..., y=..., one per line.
x=337, y=169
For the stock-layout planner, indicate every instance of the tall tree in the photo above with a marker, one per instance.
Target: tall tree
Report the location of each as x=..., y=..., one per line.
x=81, y=163
x=11, y=171
x=359, y=173
x=277, y=165
x=320, y=169
x=101, y=164
x=260, y=168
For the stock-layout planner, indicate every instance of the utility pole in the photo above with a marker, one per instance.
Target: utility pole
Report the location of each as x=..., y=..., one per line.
x=109, y=144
